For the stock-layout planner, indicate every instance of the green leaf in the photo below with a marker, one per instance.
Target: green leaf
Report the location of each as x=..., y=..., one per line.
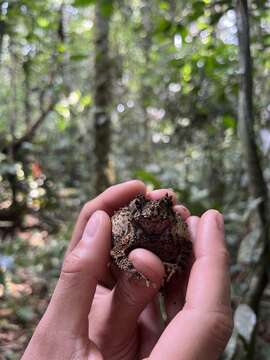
x=25, y=313
x=147, y=177
x=61, y=124
x=163, y=25
x=182, y=30
x=86, y=100
x=229, y=122
x=82, y=3
x=106, y=7
x=79, y=57
x=61, y=48
x=43, y=22
x=164, y=5
x=186, y=72
x=198, y=10
x=63, y=110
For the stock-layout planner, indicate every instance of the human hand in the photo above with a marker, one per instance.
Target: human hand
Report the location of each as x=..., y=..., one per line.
x=200, y=321
x=121, y=319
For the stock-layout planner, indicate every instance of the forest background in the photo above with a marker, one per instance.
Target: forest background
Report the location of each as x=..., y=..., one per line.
x=175, y=93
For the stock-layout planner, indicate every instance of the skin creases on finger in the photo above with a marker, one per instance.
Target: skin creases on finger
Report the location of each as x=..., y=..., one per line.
x=95, y=354
x=175, y=290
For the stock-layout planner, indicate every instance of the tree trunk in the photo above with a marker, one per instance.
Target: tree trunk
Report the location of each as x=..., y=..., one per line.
x=103, y=85
x=257, y=184
x=63, y=39
x=145, y=92
x=27, y=89
x=257, y=273
x=2, y=32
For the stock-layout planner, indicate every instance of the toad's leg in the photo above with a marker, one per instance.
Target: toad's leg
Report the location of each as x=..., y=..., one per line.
x=170, y=270
x=181, y=265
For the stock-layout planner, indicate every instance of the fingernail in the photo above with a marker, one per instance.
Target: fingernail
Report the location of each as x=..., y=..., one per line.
x=92, y=226
x=220, y=221
x=179, y=208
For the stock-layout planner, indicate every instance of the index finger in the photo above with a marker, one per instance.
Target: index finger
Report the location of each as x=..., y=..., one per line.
x=209, y=282
x=110, y=200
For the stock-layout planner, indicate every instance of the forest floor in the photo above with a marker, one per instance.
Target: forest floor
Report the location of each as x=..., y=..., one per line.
x=30, y=268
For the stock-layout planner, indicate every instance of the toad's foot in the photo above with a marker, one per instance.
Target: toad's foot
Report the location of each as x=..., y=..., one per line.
x=170, y=270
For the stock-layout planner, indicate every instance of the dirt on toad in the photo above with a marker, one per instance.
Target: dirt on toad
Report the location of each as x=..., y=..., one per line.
x=155, y=226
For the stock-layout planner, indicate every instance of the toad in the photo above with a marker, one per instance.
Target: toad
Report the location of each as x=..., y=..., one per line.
x=155, y=226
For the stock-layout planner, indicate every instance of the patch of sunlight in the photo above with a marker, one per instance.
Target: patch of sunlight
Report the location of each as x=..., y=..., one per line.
x=2, y=288
x=74, y=97
x=178, y=41
x=38, y=239
x=5, y=204
x=18, y=290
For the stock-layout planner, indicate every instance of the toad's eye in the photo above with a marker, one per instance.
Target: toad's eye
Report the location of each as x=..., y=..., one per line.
x=137, y=202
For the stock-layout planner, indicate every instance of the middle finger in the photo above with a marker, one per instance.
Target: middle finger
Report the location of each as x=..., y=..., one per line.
x=175, y=290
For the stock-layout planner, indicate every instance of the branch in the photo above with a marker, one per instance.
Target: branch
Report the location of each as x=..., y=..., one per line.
x=30, y=133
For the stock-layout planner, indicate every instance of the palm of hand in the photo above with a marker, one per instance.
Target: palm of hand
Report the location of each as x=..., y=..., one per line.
x=123, y=342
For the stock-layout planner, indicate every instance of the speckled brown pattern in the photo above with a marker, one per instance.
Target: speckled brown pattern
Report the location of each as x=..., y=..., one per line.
x=152, y=225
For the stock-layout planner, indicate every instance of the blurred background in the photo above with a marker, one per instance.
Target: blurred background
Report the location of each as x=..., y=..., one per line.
x=173, y=92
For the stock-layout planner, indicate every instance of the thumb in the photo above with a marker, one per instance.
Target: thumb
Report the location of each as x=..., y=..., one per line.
x=130, y=297
x=83, y=267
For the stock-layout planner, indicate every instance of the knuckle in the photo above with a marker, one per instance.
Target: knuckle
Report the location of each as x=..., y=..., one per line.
x=126, y=294
x=106, y=191
x=72, y=263
x=72, y=271
x=224, y=257
x=140, y=183
x=220, y=328
x=86, y=209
